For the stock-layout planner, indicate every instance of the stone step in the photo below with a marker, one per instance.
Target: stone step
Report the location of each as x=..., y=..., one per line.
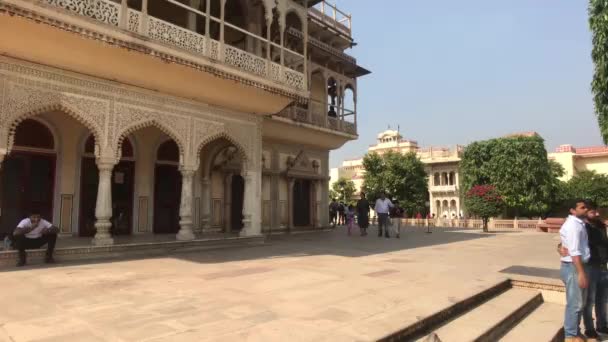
x=541, y=325
x=491, y=320
x=130, y=250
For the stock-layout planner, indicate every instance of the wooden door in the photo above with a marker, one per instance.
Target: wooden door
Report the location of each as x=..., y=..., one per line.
x=167, y=194
x=236, y=206
x=89, y=181
x=301, y=203
x=28, y=182
x=122, y=197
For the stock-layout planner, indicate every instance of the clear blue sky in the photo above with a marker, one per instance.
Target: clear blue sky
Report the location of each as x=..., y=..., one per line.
x=452, y=72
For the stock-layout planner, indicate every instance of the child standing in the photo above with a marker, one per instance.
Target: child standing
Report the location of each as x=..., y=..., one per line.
x=350, y=218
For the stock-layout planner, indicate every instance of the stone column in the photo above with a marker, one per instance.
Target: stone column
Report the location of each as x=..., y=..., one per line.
x=227, y=201
x=252, y=206
x=192, y=16
x=103, y=206
x=185, y=206
x=206, y=204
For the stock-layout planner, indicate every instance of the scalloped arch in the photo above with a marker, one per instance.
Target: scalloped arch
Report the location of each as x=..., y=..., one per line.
x=150, y=123
x=60, y=107
x=220, y=135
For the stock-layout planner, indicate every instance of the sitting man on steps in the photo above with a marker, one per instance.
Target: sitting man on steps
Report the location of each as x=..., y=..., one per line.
x=32, y=233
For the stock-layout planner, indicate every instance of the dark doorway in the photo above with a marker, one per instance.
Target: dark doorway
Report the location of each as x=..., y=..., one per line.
x=236, y=208
x=28, y=182
x=301, y=203
x=167, y=194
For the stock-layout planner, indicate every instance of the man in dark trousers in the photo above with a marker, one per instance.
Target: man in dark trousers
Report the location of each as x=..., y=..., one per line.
x=32, y=233
x=363, y=214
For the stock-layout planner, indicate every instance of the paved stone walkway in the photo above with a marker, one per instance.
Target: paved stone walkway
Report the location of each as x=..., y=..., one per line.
x=309, y=287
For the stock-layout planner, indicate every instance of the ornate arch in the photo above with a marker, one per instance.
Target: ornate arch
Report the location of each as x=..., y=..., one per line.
x=242, y=151
x=149, y=123
x=13, y=122
x=298, y=13
x=130, y=119
x=23, y=102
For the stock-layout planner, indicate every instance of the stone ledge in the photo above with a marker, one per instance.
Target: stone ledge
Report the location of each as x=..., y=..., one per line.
x=135, y=249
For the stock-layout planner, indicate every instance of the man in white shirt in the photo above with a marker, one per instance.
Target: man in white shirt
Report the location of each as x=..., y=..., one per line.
x=382, y=209
x=32, y=233
x=573, y=267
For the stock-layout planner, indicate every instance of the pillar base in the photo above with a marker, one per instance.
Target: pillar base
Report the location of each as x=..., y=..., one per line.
x=102, y=241
x=185, y=235
x=248, y=233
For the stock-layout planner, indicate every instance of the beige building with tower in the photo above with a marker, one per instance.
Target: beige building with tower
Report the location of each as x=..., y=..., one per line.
x=441, y=164
x=135, y=117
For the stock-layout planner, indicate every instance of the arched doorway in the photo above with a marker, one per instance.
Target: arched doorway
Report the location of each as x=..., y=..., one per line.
x=223, y=186
x=123, y=182
x=167, y=188
x=302, y=189
x=28, y=175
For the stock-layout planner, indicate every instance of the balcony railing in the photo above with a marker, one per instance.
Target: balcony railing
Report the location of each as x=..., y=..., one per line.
x=321, y=45
x=443, y=188
x=316, y=113
x=158, y=30
x=330, y=15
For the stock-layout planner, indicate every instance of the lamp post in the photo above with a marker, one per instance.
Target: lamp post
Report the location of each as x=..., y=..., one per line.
x=427, y=204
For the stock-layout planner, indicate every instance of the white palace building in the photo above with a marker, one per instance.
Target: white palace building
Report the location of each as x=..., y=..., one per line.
x=142, y=117
x=441, y=164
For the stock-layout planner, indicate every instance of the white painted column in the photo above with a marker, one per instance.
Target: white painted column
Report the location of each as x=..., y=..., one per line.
x=252, y=206
x=124, y=14
x=103, y=206
x=185, y=206
x=206, y=204
x=144, y=18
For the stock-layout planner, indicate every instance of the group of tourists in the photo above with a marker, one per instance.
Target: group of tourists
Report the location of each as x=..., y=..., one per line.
x=584, y=257
x=341, y=214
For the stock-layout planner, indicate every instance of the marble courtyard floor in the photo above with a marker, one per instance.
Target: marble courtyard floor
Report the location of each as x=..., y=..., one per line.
x=306, y=287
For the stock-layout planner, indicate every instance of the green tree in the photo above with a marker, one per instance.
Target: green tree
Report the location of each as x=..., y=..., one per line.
x=402, y=176
x=598, y=23
x=517, y=166
x=589, y=185
x=484, y=201
x=343, y=190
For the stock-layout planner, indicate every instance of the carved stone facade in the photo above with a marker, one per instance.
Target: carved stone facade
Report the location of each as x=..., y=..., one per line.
x=111, y=113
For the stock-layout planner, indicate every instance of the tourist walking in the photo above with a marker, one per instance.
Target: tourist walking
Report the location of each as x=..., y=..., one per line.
x=350, y=218
x=341, y=217
x=396, y=213
x=333, y=211
x=382, y=208
x=574, y=270
x=597, y=291
x=363, y=214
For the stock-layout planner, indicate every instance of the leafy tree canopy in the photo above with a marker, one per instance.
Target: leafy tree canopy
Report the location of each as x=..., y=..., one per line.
x=589, y=185
x=598, y=23
x=519, y=169
x=343, y=190
x=401, y=176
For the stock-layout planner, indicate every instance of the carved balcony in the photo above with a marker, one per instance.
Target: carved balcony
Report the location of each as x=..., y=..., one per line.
x=316, y=114
x=143, y=25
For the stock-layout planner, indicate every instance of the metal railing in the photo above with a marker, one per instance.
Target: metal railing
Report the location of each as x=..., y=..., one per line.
x=330, y=15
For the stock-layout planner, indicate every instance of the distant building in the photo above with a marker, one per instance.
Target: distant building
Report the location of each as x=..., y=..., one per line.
x=577, y=159
x=441, y=164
